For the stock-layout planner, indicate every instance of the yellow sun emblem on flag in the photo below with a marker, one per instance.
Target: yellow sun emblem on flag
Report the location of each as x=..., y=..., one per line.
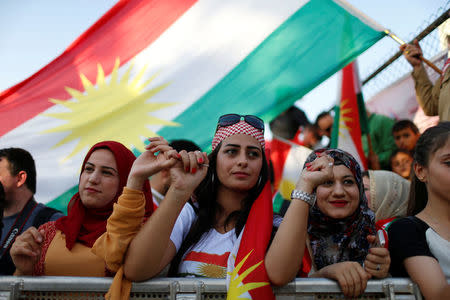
x=236, y=288
x=343, y=118
x=118, y=110
x=212, y=271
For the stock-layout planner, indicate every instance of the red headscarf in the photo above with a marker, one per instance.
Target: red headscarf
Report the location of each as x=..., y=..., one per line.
x=86, y=225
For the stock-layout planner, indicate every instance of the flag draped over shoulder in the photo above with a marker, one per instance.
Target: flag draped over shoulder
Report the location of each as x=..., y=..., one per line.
x=350, y=120
x=246, y=273
x=171, y=68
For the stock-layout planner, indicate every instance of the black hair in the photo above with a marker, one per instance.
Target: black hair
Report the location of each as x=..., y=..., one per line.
x=429, y=142
x=204, y=195
x=403, y=124
x=187, y=145
x=320, y=116
x=365, y=173
x=286, y=124
x=315, y=130
x=21, y=160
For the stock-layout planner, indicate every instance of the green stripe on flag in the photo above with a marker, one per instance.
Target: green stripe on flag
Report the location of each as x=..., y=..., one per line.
x=335, y=130
x=363, y=120
x=314, y=43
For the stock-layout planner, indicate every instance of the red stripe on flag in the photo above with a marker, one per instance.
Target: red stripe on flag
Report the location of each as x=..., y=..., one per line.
x=212, y=259
x=255, y=239
x=349, y=94
x=123, y=32
x=279, y=151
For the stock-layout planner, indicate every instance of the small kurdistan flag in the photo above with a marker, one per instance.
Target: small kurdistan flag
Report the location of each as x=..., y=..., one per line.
x=350, y=119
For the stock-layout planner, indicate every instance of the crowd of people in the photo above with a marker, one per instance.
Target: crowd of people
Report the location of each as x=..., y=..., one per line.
x=173, y=209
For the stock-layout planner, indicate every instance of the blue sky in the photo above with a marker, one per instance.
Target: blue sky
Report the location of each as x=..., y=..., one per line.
x=35, y=32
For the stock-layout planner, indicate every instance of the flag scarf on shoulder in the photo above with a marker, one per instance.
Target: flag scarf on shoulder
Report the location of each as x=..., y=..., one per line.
x=171, y=68
x=350, y=120
x=246, y=273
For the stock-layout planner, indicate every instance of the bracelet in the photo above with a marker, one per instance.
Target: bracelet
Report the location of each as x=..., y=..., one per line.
x=301, y=195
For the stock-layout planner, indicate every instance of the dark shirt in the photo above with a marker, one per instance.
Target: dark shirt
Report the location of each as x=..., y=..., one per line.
x=6, y=265
x=407, y=238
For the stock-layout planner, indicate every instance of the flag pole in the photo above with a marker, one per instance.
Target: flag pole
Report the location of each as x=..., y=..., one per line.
x=401, y=42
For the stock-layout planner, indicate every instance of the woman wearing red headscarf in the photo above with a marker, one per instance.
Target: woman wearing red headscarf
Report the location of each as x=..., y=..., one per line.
x=79, y=244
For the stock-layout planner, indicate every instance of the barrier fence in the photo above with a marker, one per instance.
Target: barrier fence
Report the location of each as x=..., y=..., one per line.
x=90, y=288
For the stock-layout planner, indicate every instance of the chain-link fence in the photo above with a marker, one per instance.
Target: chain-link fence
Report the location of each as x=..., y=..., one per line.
x=433, y=43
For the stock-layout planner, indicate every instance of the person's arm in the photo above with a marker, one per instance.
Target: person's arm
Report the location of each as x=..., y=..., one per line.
x=152, y=250
x=426, y=272
x=123, y=224
x=427, y=93
x=285, y=254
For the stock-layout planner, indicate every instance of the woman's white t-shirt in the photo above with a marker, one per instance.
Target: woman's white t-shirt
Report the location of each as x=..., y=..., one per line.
x=208, y=257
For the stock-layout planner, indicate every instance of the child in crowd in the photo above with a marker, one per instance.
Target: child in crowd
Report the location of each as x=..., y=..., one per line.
x=405, y=134
x=420, y=243
x=401, y=162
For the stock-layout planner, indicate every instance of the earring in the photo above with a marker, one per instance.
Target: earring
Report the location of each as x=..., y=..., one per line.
x=259, y=180
x=212, y=178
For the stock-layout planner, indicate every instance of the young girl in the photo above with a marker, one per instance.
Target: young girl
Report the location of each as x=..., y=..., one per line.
x=420, y=243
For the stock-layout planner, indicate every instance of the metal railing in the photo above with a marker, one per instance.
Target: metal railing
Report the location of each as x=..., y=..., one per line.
x=52, y=288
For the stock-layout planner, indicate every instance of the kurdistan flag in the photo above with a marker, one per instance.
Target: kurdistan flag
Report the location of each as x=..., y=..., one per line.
x=172, y=67
x=246, y=272
x=350, y=119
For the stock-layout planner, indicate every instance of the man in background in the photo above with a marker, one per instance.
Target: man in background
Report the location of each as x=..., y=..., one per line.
x=21, y=211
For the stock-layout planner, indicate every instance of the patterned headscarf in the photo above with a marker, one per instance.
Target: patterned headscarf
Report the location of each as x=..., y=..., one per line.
x=241, y=127
x=338, y=240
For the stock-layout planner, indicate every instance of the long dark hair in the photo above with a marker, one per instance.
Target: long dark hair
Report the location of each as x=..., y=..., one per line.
x=206, y=195
x=429, y=142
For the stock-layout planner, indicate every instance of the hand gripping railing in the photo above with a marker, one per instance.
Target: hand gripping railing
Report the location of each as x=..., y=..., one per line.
x=50, y=288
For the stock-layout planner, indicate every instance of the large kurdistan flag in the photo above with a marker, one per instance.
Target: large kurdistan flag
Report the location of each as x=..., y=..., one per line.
x=172, y=67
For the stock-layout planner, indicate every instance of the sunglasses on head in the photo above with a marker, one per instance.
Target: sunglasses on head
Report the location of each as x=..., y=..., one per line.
x=230, y=119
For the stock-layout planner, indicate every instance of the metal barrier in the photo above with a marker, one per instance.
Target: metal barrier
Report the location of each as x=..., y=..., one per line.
x=90, y=288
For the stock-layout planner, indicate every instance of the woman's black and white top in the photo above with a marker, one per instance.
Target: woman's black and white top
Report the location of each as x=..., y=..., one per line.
x=410, y=237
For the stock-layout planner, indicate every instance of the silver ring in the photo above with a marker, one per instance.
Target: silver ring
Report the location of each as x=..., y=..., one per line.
x=204, y=165
x=330, y=164
x=378, y=267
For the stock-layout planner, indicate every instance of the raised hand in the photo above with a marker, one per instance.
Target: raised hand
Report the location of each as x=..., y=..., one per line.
x=316, y=172
x=159, y=155
x=378, y=260
x=189, y=171
x=412, y=53
x=26, y=250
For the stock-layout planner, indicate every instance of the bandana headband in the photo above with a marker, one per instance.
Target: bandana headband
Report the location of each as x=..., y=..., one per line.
x=239, y=128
